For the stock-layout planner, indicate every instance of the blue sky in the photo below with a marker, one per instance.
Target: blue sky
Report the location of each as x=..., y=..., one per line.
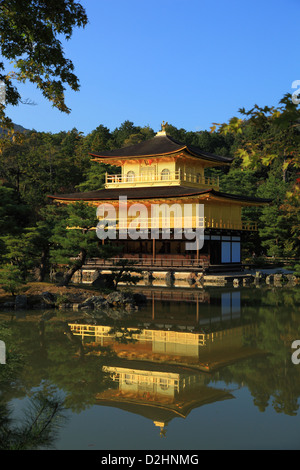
x=188, y=62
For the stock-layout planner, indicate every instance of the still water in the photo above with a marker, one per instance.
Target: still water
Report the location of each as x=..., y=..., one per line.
x=191, y=370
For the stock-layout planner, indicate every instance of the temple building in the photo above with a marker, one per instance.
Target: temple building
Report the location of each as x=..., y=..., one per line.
x=168, y=174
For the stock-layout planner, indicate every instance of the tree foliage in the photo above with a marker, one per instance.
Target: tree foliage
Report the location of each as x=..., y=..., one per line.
x=74, y=238
x=267, y=142
x=30, y=37
x=11, y=279
x=43, y=417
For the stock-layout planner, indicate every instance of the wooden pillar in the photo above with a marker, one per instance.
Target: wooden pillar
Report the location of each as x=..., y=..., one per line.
x=153, y=306
x=153, y=250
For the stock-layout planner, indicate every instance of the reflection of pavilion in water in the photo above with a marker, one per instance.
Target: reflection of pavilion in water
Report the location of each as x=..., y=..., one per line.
x=159, y=394
x=203, y=336
x=191, y=308
x=161, y=368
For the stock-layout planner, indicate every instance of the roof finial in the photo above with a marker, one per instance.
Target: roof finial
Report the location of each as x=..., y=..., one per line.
x=163, y=428
x=163, y=129
x=163, y=126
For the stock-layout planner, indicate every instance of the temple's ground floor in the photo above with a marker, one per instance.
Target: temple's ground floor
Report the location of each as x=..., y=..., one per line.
x=220, y=249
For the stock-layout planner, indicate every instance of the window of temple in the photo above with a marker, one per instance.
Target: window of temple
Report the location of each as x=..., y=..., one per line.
x=165, y=174
x=163, y=383
x=130, y=176
x=128, y=379
x=148, y=173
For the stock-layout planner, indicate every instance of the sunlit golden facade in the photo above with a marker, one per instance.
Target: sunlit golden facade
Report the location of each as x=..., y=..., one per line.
x=168, y=174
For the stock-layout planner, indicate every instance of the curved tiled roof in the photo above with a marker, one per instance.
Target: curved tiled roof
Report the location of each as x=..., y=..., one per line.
x=151, y=193
x=160, y=145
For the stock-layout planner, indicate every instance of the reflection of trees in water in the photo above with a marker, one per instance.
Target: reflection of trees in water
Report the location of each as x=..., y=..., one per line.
x=122, y=333
x=272, y=380
x=46, y=355
x=49, y=352
x=39, y=428
x=14, y=361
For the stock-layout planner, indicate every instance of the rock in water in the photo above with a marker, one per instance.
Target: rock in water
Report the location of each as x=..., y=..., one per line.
x=48, y=298
x=21, y=302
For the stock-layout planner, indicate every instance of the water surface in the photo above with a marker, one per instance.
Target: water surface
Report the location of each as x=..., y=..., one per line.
x=191, y=370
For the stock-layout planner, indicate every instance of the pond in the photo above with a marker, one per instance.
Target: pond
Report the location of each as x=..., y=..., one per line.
x=193, y=369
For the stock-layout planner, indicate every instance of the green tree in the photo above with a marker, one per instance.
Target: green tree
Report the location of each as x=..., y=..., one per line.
x=126, y=270
x=14, y=214
x=43, y=417
x=31, y=35
x=74, y=238
x=275, y=229
x=37, y=240
x=95, y=176
x=18, y=253
x=42, y=163
x=267, y=135
x=267, y=142
x=11, y=279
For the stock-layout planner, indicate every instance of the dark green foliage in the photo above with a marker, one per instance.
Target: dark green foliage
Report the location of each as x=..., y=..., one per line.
x=274, y=229
x=11, y=279
x=74, y=238
x=39, y=164
x=30, y=37
x=43, y=417
x=14, y=214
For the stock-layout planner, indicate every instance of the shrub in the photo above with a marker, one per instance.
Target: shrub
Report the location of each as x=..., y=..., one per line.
x=11, y=279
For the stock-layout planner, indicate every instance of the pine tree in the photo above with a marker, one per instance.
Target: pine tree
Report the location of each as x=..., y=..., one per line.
x=74, y=238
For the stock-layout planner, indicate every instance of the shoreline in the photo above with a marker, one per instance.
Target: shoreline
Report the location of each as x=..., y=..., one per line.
x=50, y=295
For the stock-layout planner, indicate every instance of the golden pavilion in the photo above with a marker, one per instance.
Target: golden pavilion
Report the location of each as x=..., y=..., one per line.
x=163, y=171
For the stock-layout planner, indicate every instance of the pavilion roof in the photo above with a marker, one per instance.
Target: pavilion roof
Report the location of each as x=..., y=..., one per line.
x=158, y=146
x=158, y=192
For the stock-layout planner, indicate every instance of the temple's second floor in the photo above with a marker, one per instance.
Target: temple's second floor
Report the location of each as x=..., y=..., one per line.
x=220, y=210
x=137, y=175
x=161, y=161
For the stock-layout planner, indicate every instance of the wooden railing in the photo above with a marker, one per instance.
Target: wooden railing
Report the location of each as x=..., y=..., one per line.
x=181, y=337
x=175, y=177
x=150, y=262
x=180, y=222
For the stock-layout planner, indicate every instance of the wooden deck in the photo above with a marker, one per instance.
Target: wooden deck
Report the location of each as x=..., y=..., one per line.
x=162, y=264
x=150, y=263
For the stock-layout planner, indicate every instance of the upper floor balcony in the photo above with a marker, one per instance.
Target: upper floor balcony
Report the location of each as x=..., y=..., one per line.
x=164, y=178
x=171, y=222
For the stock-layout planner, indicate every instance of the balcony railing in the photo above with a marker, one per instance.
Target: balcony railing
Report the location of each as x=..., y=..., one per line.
x=159, y=262
x=140, y=223
x=172, y=178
